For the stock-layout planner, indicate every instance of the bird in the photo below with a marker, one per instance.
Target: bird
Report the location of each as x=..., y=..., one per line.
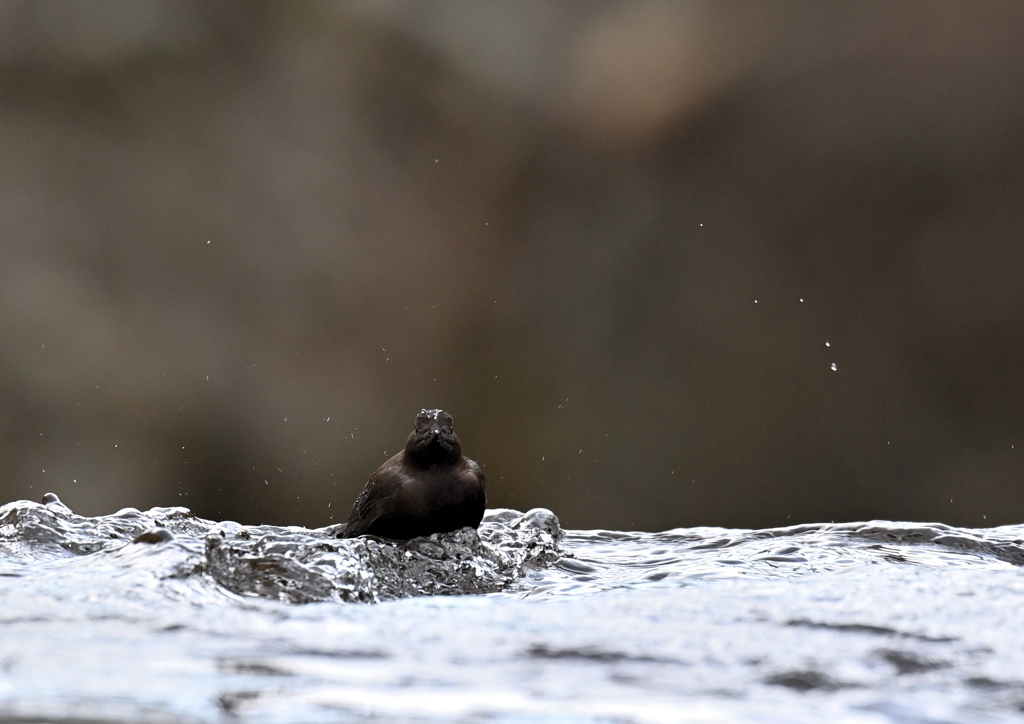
x=428, y=487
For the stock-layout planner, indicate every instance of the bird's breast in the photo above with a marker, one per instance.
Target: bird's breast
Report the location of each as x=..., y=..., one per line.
x=431, y=491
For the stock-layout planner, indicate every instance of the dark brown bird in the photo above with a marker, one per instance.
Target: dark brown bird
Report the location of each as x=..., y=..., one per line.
x=429, y=487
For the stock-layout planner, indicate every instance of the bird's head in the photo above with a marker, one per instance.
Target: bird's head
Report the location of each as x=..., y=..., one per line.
x=433, y=441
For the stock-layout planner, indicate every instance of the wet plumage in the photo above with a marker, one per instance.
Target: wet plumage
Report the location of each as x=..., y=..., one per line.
x=429, y=487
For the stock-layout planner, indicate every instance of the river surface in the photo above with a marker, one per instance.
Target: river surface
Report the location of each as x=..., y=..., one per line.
x=159, y=616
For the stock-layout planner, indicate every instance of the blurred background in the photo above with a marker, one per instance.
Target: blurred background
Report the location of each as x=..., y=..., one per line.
x=666, y=263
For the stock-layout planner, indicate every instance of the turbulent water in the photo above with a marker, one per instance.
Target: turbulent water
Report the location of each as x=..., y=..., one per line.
x=159, y=616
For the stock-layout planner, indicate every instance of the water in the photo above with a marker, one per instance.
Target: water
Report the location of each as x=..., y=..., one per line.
x=159, y=616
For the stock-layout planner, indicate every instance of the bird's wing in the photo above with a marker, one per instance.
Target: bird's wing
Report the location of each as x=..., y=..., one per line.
x=380, y=488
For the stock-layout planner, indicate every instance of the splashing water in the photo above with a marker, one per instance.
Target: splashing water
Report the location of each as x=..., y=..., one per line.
x=160, y=616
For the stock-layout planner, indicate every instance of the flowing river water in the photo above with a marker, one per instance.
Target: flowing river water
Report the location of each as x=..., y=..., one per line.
x=159, y=616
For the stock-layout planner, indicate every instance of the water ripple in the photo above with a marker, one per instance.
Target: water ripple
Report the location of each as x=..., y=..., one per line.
x=161, y=616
